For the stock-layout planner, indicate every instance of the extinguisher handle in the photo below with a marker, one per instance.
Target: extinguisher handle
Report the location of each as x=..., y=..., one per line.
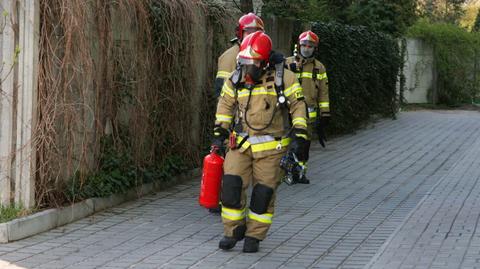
x=214, y=148
x=218, y=150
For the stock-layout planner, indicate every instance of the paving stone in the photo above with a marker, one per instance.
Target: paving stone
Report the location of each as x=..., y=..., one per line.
x=441, y=230
x=364, y=190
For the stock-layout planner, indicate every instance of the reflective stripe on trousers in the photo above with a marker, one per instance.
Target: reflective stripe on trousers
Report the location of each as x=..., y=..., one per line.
x=233, y=214
x=263, y=218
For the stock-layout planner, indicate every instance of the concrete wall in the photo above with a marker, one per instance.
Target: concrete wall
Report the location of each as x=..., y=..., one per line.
x=419, y=72
x=280, y=31
x=204, y=60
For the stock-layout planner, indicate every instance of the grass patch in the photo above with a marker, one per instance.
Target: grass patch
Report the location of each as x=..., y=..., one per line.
x=8, y=213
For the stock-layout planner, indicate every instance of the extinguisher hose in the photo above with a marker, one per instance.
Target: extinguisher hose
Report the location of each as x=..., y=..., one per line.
x=248, y=124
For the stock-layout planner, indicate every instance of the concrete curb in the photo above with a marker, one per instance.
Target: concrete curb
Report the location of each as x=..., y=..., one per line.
x=51, y=218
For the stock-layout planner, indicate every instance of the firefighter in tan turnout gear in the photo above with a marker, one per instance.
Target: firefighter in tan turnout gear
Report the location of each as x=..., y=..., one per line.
x=313, y=78
x=227, y=62
x=259, y=140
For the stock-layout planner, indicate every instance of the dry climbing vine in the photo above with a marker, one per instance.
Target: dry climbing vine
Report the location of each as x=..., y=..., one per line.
x=116, y=82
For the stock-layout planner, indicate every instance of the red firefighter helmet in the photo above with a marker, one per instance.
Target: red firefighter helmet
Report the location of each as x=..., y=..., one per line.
x=248, y=22
x=255, y=47
x=308, y=38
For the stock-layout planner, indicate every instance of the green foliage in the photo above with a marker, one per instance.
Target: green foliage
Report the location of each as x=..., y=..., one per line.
x=468, y=19
x=362, y=67
x=455, y=51
x=449, y=11
x=8, y=213
x=118, y=174
x=389, y=16
x=339, y=9
x=476, y=25
x=304, y=10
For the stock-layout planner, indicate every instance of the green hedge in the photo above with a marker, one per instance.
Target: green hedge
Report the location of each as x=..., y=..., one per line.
x=363, y=68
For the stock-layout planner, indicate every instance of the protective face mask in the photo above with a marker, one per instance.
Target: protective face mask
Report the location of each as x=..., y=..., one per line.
x=253, y=72
x=306, y=52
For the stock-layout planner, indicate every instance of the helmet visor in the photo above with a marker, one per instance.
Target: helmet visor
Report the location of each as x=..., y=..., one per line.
x=244, y=61
x=250, y=30
x=307, y=43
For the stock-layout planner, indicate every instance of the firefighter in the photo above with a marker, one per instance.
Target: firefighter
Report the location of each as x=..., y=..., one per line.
x=227, y=62
x=258, y=141
x=312, y=76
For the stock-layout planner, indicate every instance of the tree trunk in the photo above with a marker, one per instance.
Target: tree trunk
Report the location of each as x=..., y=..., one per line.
x=246, y=6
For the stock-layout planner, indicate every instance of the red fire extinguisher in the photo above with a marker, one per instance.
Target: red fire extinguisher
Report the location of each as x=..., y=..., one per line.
x=211, y=179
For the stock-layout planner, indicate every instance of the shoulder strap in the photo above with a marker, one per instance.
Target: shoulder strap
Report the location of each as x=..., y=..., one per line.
x=300, y=71
x=293, y=67
x=316, y=70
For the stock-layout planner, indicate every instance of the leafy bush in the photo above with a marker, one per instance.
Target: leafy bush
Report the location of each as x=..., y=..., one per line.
x=455, y=52
x=118, y=174
x=387, y=16
x=362, y=68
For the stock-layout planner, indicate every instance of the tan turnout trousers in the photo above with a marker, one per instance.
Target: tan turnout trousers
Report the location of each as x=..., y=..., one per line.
x=265, y=171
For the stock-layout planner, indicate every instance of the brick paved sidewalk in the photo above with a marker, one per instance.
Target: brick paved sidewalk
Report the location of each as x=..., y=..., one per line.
x=442, y=231
x=363, y=187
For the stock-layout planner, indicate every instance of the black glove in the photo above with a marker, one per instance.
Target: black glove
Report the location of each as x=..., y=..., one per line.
x=276, y=58
x=299, y=144
x=321, y=124
x=220, y=134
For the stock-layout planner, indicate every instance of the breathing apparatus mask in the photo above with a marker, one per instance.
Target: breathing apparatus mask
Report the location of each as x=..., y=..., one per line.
x=307, y=49
x=253, y=70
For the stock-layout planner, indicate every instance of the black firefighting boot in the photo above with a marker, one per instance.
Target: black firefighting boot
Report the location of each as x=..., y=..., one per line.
x=303, y=180
x=251, y=245
x=229, y=242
